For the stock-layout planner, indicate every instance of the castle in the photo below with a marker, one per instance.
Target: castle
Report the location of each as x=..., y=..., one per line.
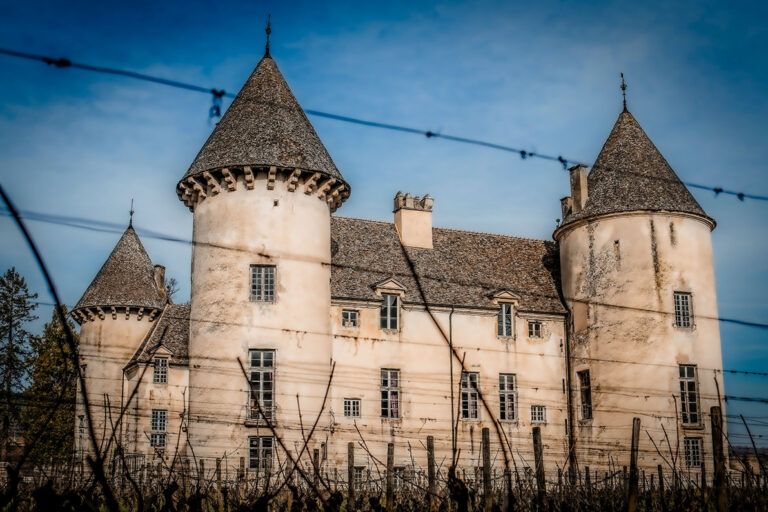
x=389, y=332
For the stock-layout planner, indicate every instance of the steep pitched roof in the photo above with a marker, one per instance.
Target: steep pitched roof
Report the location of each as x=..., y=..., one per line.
x=630, y=174
x=171, y=331
x=264, y=126
x=125, y=279
x=463, y=268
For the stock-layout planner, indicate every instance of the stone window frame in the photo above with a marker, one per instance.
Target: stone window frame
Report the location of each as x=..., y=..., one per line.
x=586, y=408
x=158, y=424
x=508, y=397
x=349, y=407
x=160, y=370
x=689, y=385
x=535, y=329
x=350, y=318
x=692, y=447
x=470, y=396
x=506, y=300
x=536, y=418
x=265, y=368
x=260, y=453
x=388, y=391
x=267, y=281
x=682, y=302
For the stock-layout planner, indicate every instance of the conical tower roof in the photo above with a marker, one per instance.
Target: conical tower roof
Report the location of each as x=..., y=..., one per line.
x=126, y=278
x=630, y=174
x=264, y=126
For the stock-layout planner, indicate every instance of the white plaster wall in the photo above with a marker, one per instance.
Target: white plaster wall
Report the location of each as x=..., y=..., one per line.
x=106, y=346
x=422, y=355
x=233, y=230
x=171, y=396
x=627, y=267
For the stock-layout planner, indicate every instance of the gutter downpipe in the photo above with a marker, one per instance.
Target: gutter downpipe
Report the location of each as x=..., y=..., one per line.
x=450, y=358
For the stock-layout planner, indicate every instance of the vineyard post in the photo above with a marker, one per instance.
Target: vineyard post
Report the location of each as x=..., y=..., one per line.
x=487, y=489
x=588, y=482
x=316, y=464
x=431, y=469
x=390, y=476
x=201, y=473
x=719, y=483
x=632, y=484
x=350, y=475
x=662, y=501
x=218, y=473
x=539, y=467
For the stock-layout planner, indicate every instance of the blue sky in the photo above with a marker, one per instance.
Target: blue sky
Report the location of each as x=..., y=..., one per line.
x=541, y=76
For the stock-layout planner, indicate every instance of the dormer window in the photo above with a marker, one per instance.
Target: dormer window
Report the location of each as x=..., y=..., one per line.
x=160, y=373
x=505, y=320
x=390, y=312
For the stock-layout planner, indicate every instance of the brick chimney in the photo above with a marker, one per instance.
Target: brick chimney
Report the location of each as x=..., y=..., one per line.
x=579, y=192
x=413, y=220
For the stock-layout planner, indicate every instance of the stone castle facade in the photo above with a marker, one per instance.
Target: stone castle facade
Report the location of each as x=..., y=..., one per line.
x=392, y=332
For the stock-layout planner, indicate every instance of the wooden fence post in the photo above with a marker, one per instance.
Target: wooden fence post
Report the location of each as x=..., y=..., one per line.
x=390, y=476
x=316, y=464
x=431, y=469
x=662, y=501
x=541, y=484
x=350, y=475
x=718, y=483
x=633, y=476
x=487, y=488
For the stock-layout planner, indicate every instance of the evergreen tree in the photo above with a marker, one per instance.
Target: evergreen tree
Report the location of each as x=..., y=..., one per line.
x=52, y=382
x=16, y=310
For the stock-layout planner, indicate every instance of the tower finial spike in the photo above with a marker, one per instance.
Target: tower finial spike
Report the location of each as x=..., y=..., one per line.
x=130, y=213
x=268, y=31
x=624, y=92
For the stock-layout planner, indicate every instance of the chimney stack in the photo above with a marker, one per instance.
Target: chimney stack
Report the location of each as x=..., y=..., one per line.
x=413, y=220
x=579, y=192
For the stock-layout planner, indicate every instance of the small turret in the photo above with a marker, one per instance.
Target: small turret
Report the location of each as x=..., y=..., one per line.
x=116, y=313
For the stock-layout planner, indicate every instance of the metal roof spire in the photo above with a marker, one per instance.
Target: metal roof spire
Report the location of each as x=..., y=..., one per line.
x=624, y=92
x=268, y=31
x=130, y=213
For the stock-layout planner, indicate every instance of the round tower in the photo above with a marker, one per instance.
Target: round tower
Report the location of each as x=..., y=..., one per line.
x=261, y=190
x=638, y=279
x=115, y=314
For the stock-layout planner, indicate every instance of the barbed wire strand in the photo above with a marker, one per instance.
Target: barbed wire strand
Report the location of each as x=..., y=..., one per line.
x=217, y=94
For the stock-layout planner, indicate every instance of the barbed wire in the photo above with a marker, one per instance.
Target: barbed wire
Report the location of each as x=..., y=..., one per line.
x=110, y=227
x=217, y=94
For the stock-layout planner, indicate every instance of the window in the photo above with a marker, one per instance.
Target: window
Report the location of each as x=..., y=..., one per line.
x=352, y=407
x=160, y=373
x=508, y=396
x=689, y=397
x=534, y=329
x=585, y=390
x=390, y=393
x=692, y=452
x=359, y=477
x=263, y=283
x=262, y=371
x=349, y=317
x=390, y=311
x=260, y=452
x=505, y=320
x=683, y=309
x=469, y=395
x=538, y=414
x=158, y=428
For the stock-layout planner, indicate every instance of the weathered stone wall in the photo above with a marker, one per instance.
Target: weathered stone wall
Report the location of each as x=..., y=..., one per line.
x=619, y=274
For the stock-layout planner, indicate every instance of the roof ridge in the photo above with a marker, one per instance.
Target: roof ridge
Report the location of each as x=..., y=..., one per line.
x=458, y=230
